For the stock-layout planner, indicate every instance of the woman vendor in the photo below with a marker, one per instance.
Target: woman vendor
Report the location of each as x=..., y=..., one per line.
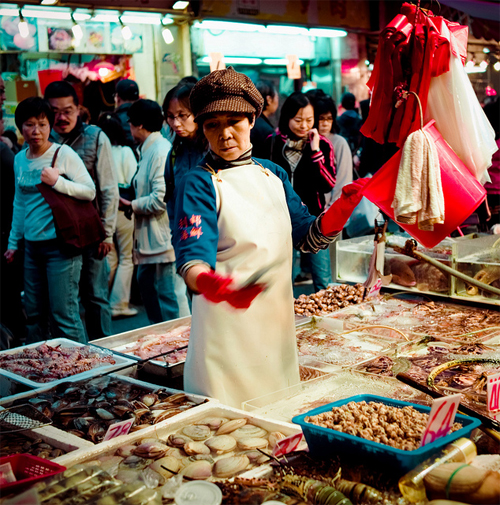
x=235, y=216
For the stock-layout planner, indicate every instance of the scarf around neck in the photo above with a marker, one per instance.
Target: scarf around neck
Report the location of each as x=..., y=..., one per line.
x=293, y=151
x=219, y=163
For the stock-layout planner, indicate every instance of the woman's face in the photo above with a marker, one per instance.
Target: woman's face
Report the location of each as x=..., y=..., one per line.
x=36, y=131
x=181, y=120
x=302, y=122
x=228, y=134
x=325, y=123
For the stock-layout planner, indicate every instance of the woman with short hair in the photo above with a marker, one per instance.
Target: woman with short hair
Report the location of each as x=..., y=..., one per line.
x=51, y=274
x=153, y=250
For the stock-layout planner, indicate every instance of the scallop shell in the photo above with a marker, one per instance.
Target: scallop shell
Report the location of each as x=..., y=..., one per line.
x=247, y=444
x=192, y=448
x=227, y=467
x=197, y=433
x=199, y=470
x=168, y=462
x=221, y=444
x=231, y=426
x=178, y=440
x=149, y=399
x=214, y=423
x=275, y=437
x=249, y=431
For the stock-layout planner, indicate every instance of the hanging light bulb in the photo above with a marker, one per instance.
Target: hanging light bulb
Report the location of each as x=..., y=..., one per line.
x=77, y=31
x=24, y=29
x=126, y=31
x=496, y=66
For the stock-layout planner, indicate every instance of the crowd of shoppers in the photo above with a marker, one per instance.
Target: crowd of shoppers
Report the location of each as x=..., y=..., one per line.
x=131, y=165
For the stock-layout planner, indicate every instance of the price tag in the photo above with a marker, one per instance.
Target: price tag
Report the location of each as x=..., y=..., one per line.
x=293, y=67
x=375, y=289
x=117, y=429
x=6, y=474
x=216, y=61
x=441, y=418
x=287, y=445
x=493, y=388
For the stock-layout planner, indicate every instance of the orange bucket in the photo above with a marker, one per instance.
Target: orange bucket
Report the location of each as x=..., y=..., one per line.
x=461, y=190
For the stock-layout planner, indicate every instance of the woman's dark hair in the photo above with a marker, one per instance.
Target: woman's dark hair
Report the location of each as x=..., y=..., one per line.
x=323, y=104
x=266, y=88
x=111, y=125
x=292, y=105
x=60, y=89
x=33, y=107
x=181, y=93
x=146, y=113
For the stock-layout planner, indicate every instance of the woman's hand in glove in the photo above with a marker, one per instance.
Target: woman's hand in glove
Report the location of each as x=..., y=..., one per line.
x=334, y=219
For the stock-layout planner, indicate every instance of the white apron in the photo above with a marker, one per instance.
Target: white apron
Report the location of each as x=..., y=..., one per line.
x=235, y=355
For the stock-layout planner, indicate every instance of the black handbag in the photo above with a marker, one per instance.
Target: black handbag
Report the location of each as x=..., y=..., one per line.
x=77, y=222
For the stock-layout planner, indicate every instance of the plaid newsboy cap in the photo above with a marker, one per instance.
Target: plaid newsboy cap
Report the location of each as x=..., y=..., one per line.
x=225, y=91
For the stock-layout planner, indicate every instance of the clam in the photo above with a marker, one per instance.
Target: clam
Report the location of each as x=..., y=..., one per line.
x=172, y=399
x=161, y=415
x=96, y=432
x=230, y=426
x=149, y=399
x=247, y=444
x=214, y=423
x=257, y=457
x=135, y=462
x=275, y=437
x=161, y=464
x=192, y=448
x=199, y=457
x=163, y=406
x=138, y=427
x=77, y=433
x=249, y=431
x=178, y=440
x=221, y=444
x=126, y=450
x=81, y=423
x=227, y=467
x=105, y=414
x=139, y=405
x=199, y=470
x=175, y=453
x=151, y=450
x=200, y=432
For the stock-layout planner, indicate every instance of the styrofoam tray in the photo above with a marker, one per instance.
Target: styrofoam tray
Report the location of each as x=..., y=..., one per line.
x=57, y=433
x=164, y=429
x=64, y=342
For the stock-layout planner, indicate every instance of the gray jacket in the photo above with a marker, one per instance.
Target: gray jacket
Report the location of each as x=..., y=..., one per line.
x=94, y=148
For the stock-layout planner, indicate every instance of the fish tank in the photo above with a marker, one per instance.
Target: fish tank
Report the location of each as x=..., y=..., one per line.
x=478, y=258
x=408, y=274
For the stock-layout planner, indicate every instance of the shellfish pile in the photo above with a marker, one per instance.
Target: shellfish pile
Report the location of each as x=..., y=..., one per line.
x=87, y=408
x=46, y=363
x=15, y=443
x=329, y=300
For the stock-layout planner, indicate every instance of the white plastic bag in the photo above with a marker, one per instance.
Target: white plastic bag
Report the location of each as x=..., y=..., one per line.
x=453, y=104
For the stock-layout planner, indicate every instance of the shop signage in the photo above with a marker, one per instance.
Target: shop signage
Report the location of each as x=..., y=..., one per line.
x=493, y=388
x=216, y=61
x=293, y=67
x=117, y=429
x=287, y=445
x=441, y=418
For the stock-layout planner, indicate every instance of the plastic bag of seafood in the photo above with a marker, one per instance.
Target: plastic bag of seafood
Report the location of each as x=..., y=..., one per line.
x=328, y=441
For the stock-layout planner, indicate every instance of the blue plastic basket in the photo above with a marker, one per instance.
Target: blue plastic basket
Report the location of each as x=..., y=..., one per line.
x=325, y=442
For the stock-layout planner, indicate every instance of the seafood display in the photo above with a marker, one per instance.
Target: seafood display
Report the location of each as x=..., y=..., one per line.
x=148, y=346
x=329, y=300
x=401, y=428
x=307, y=374
x=46, y=363
x=87, y=409
x=17, y=443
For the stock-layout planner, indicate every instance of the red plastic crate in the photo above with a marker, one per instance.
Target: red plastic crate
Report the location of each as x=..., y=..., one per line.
x=28, y=470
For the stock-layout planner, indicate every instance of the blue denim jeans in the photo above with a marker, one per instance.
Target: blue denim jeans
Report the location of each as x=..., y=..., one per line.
x=157, y=287
x=94, y=293
x=51, y=292
x=320, y=267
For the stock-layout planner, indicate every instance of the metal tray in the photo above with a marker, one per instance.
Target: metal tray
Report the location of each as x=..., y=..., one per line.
x=157, y=367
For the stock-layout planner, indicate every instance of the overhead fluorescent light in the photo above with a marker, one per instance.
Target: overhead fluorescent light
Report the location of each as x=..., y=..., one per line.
x=209, y=24
x=49, y=2
x=496, y=66
x=167, y=21
x=327, y=32
x=167, y=35
x=236, y=60
x=180, y=5
x=279, y=61
x=137, y=19
x=286, y=30
x=110, y=18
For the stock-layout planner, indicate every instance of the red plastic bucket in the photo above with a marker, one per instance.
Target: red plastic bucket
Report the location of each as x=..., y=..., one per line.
x=461, y=190
x=45, y=77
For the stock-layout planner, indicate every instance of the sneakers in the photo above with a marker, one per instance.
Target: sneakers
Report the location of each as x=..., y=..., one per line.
x=124, y=312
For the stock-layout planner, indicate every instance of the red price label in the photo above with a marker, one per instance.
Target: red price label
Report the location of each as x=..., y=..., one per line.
x=441, y=418
x=287, y=445
x=493, y=387
x=117, y=429
x=375, y=290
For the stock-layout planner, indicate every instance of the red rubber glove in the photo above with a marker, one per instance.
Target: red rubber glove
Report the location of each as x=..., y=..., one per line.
x=215, y=288
x=334, y=219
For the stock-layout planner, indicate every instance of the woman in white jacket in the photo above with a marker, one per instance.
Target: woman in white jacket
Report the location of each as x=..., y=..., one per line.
x=153, y=250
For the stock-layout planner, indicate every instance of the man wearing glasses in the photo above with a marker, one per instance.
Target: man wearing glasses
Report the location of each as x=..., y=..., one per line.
x=94, y=147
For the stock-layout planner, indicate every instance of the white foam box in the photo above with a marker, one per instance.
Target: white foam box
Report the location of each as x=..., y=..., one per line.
x=173, y=425
x=120, y=361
